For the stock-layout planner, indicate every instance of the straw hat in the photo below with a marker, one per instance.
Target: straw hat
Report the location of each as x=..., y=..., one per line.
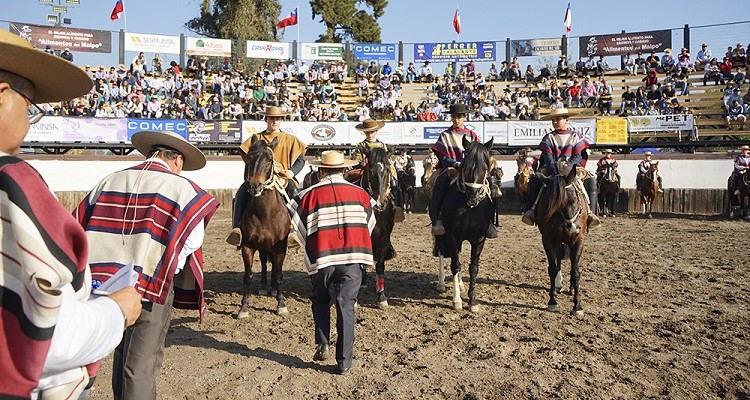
x=607, y=151
x=273, y=111
x=370, y=125
x=45, y=71
x=333, y=159
x=744, y=148
x=558, y=112
x=648, y=153
x=122, y=67
x=668, y=50
x=194, y=158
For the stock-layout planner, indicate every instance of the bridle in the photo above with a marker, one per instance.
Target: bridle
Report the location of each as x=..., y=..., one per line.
x=367, y=185
x=483, y=188
x=575, y=222
x=272, y=181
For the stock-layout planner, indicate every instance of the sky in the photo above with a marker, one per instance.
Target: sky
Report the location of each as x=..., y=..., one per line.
x=413, y=21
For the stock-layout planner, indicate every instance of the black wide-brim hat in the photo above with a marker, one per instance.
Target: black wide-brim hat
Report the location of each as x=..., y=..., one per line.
x=457, y=109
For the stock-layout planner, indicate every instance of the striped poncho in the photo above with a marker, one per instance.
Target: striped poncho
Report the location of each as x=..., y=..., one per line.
x=449, y=147
x=334, y=219
x=558, y=144
x=144, y=215
x=43, y=250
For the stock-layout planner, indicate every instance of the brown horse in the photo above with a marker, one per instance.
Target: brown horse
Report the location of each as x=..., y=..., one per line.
x=739, y=204
x=496, y=183
x=265, y=223
x=649, y=188
x=428, y=178
x=522, y=181
x=609, y=186
x=407, y=183
x=561, y=216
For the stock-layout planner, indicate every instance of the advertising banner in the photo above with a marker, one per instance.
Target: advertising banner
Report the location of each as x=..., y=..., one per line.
x=178, y=126
x=656, y=123
x=59, y=38
x=208, y=47
x=267, y=50
x=311, y=133
x=48, y=129
x=536, y=47
x=623, y=43
x=78, y=129
x=495, y=130
x=214, y=131
x=530, y=133
x=454, y=51
x=374, y=51
x=612, y=131
x=152, y=43
x=322, y=51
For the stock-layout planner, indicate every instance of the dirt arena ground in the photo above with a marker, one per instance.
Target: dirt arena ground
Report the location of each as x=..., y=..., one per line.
x=666, y=316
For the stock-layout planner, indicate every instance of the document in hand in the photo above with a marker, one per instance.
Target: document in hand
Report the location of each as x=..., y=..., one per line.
x=125, y=277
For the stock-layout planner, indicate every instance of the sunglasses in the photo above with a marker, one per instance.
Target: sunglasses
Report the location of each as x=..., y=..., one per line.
x=35, y=112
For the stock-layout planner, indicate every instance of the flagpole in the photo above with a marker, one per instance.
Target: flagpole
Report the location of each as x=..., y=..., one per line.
x=299, y=20
x=124, y=15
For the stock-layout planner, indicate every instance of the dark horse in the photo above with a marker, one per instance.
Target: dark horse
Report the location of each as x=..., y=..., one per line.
x=407, y=182
x=740, y=201
x=648, y=188
x=264, y=224
x=311, y=178
x=496, y=191
x=561, y=216
x=467, y=212
x=376, y=180
x=609, y=186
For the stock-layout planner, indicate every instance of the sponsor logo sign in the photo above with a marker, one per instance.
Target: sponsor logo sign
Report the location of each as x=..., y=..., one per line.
x=214, y=131
x=272, y=50
x=178, y=126
x=655, y=123
x=454, y=51
x=323, y=132
x=58, y=37
x=623, y=43
x=322, y=51
x=536, y=47
x=374, y=51
x=208, y=47
x=152, y=43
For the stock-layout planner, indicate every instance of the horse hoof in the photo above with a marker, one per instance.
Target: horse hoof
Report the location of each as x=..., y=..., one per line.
x=441, y=288
x=273, y=293
x=474, y=308
x=552, y=308
x=243, y=315
x=282, y=311
x=650, y=216
x=383, y=304
x=578, y=313
x=558, y=290
x=458, y=306
x=262, y=292
x=356, y=306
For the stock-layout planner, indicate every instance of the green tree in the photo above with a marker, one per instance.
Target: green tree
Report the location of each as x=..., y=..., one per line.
x=355, y=20
x=237, y=19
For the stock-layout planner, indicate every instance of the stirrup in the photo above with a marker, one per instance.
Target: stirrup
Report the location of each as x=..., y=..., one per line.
x=491, y=232
x=437, y=228
x=398, y=215
x=235, y=237
x=593, y=221
x=737, y=192
x=529, y=217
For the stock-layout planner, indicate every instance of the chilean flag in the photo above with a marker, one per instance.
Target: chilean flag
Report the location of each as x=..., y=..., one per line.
x=568, y=20
x=457, y=22
x=119, y=8
x=289, y=20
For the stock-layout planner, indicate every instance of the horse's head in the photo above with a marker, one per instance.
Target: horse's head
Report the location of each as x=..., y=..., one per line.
x=610, y=172
x=561, y=197
x=410, y=169
x=496, y=182
x=376, y=179
x=472, y=177
x=259, y=170
x=653, y=170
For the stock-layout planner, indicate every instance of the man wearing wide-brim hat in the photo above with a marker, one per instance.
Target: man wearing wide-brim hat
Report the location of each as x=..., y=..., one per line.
x=741, y=165
x=561, y=142
x=449, y=150
x=289, y=154
x=336, y=250
x=643, y=168
x=150, y=219
x=602, y=164
x=48, y=335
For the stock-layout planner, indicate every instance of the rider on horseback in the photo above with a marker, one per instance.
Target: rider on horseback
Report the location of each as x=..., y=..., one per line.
x=643, y=167
x=450, y=152
x=561, y=142
x=741, y=163
x=601, y=166
x=288, y=154
x=530, y=161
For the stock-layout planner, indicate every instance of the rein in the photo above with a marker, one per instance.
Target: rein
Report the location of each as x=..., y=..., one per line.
x=367, y=186
x=273, y=182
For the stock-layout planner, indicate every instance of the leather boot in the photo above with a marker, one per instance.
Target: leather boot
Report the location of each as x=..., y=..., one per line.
x=590, y=186
x=491, y=232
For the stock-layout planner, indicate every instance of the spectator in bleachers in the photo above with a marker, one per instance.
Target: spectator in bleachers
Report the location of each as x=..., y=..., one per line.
x=729, y=53
x=425, y=72
x=653, y=96
x=601, y=66
x=556, y=103
x=552, y=92
x=640, y=63
x=504, y=72
x=411, y=73
x=738, y=54
x=683, y=63
x=581, y=67
x=668, y=94
x=363, y=85
x=157, y=64
x=302, y=72
x=735, y=114
x=342, y=71
x=650, y=79
x=725, y=68
x=628, y=100
x=604, y=102
x=653, y=61
x=399, y=73
x=588, y=93
x=487, y=111
x=328, y=92
x=629, y=63
x=703, y=57
x=739, y=76
x=528, y=75
x=590, y=65
x=522, y=102
x=562, y=67
x=502, y=111
x=668, y=63
x=471, y=70
x=373, y=72
x=574, y=94
x=215, y=109
x=493, y=74
x=66, y=54
x=514, y=70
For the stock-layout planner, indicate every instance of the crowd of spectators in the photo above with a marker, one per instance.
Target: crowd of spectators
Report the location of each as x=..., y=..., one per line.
x=226, y=90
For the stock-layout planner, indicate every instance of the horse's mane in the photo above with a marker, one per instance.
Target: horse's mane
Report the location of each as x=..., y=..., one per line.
x=555, y=195
x=377, y=155
x=476, y=158
x=258, y=145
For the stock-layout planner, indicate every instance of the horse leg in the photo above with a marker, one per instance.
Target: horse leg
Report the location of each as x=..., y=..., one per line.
x=457, y=283
x=277, y=277
x=575, y=278
x=380, y=284
x=553, y=268
x=441, y=274
x=247, y=258
x=264, y=257
x=476, y=250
